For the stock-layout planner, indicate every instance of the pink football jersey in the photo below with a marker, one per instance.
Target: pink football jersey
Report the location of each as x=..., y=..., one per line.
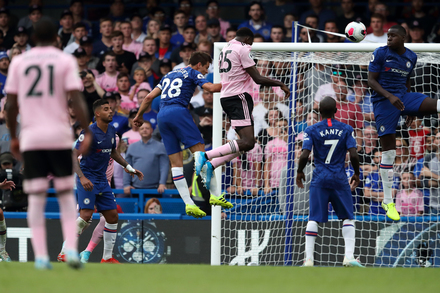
x=107, y=82
x=234, y=59
x=134, y=47
x=41, y=78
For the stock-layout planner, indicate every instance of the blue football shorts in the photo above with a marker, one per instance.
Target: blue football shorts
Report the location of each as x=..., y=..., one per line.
x=341, y=200
x=101, y=196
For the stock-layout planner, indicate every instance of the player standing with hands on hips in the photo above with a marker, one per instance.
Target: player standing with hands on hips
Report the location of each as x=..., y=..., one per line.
x=238, y=74
x=389, y=76
x=330, y=141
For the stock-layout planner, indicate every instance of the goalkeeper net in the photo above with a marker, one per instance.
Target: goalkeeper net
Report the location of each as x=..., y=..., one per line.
x=270, y=214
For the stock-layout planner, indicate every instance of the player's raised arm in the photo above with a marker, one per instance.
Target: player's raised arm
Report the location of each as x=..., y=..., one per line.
x=354, y=158
x=300, y=177
x=262, y=80
x=212, y=87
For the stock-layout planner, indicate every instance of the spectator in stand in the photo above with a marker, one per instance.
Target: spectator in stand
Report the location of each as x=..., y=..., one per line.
x=21, y=39
x=382, y=9
x=204, y=114
x=35, y=14
x=214, y=31
x=186, y=6
x=105, y=43
x=92, y=90
x=273, y=10
x=136, y=25
x=231, y=33
x=186, y=50
x=330, y=26
x=270, y=132
x=362, y=97
x=5, y=27
x=213, y=11
x=373, y=188
x=269, y=100
x=145, y=62
x=337, y=74
x=124, y=59
x=258, y=38
x=417, y=138
x=123, y=84
x=304, y=36
x=189, y=34
x=164, y=67
x=77, y=9
x=81, y=59
x=139, y=77
x=14, y=52
x=5, y=135
x=312, y=117
x=313, y=22
x=107, y=80
x=275, y=153
x=117, y=11
x=277, y=34
x=132, y=136
x=153, y=27
x=318, y=9
x=369, y=146
x=165, y=47
x=153, y=206
x=161, y=17
x=417, y=12
x=432, y=147
x=87, y=44
x=403, y=162
x=149, y=155
x=300, y=117
x=202, y=28
x=377, y=35
x=151, y=6
x=4, y=66
x=416, y=32
x=129, y=44
x=289, y=18
x=150, y=114
x=66, y=29
x=247, y=171
x=180, y=22
x=79, y=31
x=348, y=15
x=434, y=36
x=119, y=122
x=409, y=199
x=256, y=23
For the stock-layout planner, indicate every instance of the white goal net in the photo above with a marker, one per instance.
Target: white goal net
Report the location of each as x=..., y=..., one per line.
x=268, y=221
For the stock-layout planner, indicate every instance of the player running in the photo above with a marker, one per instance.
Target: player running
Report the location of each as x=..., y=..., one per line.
x=92, y=185
x=330, y=140
x=237, y=73
x=39, y=84
x=389, y=76
x=176, y=124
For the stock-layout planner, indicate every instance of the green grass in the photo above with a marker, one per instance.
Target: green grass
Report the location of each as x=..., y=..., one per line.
x=127, y=278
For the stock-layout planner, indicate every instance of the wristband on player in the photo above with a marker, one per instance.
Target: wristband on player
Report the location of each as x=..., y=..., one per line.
x=130, y=168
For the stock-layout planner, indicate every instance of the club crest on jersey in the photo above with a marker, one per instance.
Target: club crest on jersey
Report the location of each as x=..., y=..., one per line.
x=408, y=64
x=382, y=128
x=116, y=124
x=372, y=58
x=200, y=76
x=81, y=137
x=86, y=201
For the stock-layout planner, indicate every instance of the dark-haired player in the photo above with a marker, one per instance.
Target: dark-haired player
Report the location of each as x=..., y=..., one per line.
x=237, y=73
x=92, y=184
x=41, y=80
x=330, y=140
x=389, y=76
x=176, y=124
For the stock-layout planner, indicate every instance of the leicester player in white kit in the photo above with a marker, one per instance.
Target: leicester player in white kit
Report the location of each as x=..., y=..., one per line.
x=238, y=73
x=40, y=81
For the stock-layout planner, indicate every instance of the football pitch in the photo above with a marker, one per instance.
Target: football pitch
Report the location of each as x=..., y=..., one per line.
x=95, y=277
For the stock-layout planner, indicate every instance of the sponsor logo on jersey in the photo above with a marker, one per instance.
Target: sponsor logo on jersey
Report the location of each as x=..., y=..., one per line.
x=104, y=151
x=395, y=70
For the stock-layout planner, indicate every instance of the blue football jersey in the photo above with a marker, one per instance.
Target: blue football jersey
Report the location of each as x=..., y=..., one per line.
x=178, y=86
x=330, y=140
x=95, y=163
x=394, y=70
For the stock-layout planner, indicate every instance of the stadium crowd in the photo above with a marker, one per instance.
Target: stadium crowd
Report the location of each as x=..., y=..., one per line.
x=123, y=54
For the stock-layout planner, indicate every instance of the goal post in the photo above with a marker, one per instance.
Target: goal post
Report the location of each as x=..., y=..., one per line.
x=267, y=224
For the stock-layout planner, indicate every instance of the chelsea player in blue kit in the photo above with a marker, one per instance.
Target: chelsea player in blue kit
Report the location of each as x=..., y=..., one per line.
x=92, y=185
x=389, y=78
x=330, y=140
x=177, y=126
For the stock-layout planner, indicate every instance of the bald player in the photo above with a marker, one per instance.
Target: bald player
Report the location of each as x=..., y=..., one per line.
x=389, y=76
x=330, y=140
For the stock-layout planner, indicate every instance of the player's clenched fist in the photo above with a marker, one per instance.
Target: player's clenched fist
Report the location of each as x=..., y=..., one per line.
x=300, y=177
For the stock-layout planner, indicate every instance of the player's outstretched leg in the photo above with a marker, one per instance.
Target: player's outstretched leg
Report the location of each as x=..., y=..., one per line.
x=4, y=256
x=311, y=233
x=387, y=174
x=199, y=161
x=348, y=232
x=81, y=225
x=94, y=241
x=217, y=199
x=37, y=223
x=67, y=204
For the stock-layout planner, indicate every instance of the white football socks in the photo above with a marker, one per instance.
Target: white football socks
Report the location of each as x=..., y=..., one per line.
x=348, y=232
x=387, y=174
x=110, y=231
x=181, y=185
x=311, y=233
